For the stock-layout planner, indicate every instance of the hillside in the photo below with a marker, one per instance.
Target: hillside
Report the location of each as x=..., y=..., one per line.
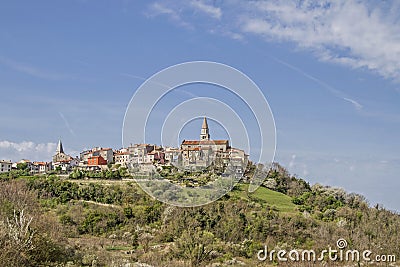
x=49, y=221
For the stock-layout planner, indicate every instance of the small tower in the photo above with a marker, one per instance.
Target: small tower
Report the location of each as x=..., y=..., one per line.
x=60, y=156
x=204, y=134
x=59, y=148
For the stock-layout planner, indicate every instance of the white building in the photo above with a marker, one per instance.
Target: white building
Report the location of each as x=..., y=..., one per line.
x=122, y=157
x=66, y=165
x=41, y=167
x=172, y=155
x=5, y=166
x=142, y=153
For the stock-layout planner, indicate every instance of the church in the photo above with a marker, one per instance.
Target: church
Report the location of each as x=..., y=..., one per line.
x=63, y=161
x=60, y=156
x=203, y=152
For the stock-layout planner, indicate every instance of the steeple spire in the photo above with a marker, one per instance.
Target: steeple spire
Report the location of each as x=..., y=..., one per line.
x=59, y=147
x=204, y=134
x=205, y=125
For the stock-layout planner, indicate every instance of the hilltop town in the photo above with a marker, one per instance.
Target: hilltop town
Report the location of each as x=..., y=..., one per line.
x=112, y=221
x=191, y=155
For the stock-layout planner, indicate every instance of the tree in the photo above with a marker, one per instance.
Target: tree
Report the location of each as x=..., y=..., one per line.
x=22, y=166
x=58, y=169
x=195, y=247
x=76, y=174
x=144, y=240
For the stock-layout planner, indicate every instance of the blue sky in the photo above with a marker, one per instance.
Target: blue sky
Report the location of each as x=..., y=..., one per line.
x=329, y=69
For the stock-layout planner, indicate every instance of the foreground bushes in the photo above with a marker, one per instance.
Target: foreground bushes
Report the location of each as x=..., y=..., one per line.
x=114, y=216
x=28, y=237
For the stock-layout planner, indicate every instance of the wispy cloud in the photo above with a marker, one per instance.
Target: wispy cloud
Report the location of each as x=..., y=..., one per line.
x=27, y=150
x=157, y=9
x=356, y=105
x=332, y=90
x=352, y=33
x=356, y=34
x=67, y=124
x=210, y=10
x=32, y=70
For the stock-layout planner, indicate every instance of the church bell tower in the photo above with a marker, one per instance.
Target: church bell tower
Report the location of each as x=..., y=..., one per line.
x=204, y=134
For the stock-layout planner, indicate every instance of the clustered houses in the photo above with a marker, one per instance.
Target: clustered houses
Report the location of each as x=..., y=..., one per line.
x=33, y=167
x=36, y=167
x=96, y=158
x=192, y=154
x=141, y=154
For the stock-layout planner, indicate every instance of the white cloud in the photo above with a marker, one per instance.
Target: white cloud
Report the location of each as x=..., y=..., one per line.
x=210, y=10
x=157, y=9
x=26, y=150
x=353, y=33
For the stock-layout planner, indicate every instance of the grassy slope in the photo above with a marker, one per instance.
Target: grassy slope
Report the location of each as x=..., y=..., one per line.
x=262, y=195
x=281, y=202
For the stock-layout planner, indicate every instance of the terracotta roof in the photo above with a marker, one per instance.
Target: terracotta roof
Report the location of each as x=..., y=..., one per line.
x=207, y=142
x=122, y=153
x=40, y=163
x=140, y=145
x=190, y=142
x=216, y=142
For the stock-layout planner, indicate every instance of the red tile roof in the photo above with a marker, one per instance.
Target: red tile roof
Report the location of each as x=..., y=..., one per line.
x=206, y=142
x=190, y=142
x=122, y=153
x=39, y=163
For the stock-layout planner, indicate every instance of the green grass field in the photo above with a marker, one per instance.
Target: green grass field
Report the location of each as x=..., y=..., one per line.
x=265, y=196
x=262, y=195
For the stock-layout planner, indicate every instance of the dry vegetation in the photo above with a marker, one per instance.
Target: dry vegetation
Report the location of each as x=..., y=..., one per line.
x=48, y=221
